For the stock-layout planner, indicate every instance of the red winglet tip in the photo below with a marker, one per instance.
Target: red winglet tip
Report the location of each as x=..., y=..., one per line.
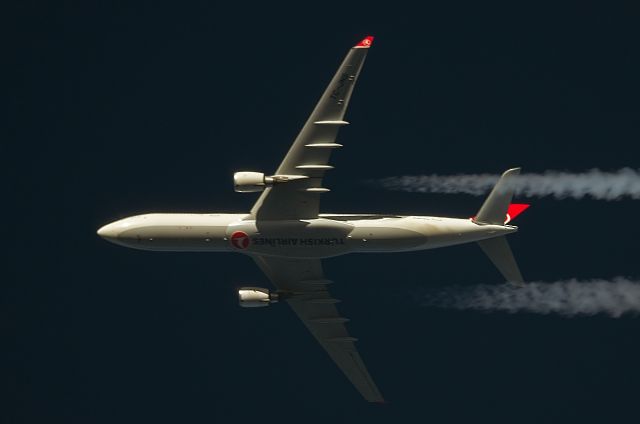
x=365, y=43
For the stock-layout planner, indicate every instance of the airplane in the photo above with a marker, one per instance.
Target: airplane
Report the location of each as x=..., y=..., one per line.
x=287, y=236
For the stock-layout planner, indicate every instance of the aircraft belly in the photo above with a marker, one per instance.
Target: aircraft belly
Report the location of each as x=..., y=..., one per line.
x=385, y=239
x=442, y=232
x=316, y=238
x=177, y=238
x=417, y=233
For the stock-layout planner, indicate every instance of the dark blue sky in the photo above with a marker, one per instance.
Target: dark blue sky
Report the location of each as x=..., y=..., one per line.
x=116, y=110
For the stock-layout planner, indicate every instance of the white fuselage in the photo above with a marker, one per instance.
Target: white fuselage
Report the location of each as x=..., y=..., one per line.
x=326, y=236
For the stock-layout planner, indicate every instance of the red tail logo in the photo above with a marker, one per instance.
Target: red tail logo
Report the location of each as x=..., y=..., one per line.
x=240, y=239
x=365, y=43
x=514, y=210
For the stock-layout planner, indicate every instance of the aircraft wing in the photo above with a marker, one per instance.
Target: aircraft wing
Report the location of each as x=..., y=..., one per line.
x=309, y=154
x=304, y=282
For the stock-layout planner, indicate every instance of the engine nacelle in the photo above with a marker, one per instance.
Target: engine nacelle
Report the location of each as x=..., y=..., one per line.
x=250, y=182
x=255, y=297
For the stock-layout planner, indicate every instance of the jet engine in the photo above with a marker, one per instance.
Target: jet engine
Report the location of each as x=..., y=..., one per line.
x=250, y=182
x=255, y=297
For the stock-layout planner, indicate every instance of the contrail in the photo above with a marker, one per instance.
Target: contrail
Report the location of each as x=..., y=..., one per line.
x=595, y=183
x=615, y=297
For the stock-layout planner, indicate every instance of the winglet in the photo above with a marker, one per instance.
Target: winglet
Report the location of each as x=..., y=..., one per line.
x=365, y=43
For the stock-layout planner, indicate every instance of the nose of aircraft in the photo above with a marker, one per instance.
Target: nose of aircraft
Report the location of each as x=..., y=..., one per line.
x=109, y=231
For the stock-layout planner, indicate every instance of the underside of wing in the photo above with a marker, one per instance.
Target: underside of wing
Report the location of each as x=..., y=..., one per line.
x=309, y=154
x=301, y=282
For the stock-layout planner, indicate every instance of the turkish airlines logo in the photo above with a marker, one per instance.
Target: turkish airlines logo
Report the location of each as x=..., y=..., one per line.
x=240, y=239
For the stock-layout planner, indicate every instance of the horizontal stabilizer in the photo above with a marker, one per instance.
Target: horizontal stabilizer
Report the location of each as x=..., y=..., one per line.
x=495, y=208
x=498, y=250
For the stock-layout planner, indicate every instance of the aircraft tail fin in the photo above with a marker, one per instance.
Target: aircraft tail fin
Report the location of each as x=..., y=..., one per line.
x=498, y=210
x=514, y=210
x=494, y=209
x=498, y=250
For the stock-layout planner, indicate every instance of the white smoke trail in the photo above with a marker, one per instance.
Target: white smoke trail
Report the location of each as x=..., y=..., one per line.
x=569, y=298
x=594, y=183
